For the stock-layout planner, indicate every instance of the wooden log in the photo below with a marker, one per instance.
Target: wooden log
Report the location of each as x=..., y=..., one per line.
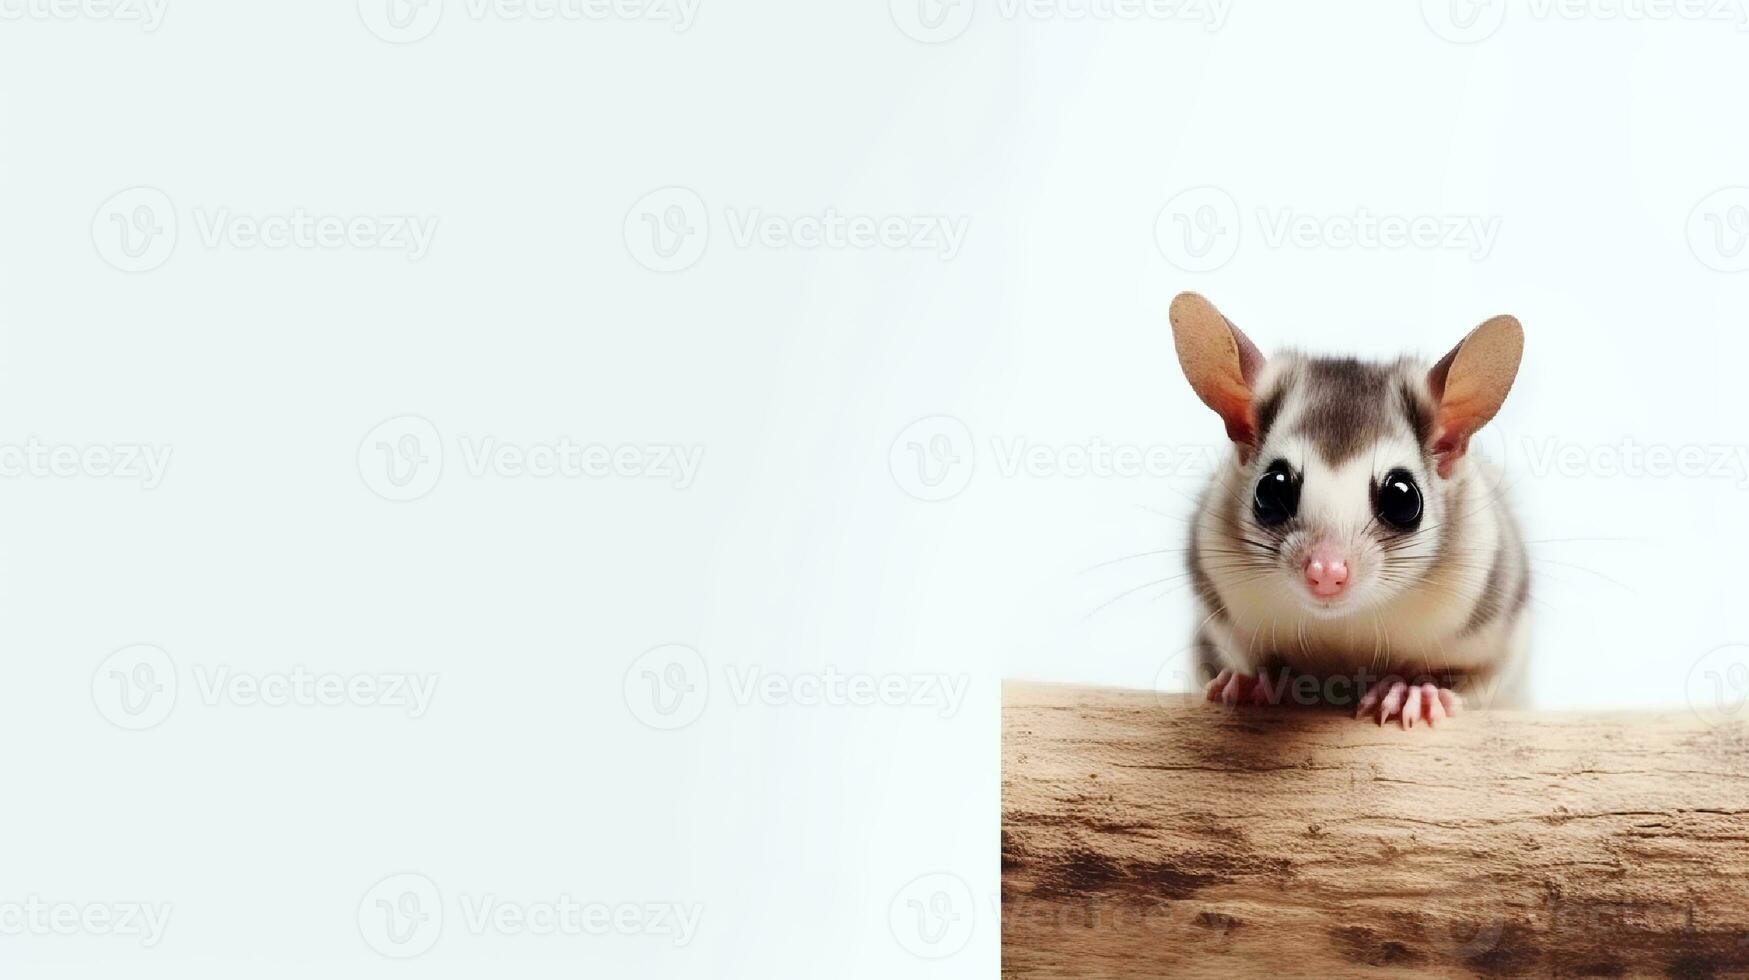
x=1150, y=835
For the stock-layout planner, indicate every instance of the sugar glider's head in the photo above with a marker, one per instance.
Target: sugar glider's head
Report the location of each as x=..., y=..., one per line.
x=1347, y=471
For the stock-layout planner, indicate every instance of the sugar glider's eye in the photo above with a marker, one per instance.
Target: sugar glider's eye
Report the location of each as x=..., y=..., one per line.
x=1398, y=502
x=1277, y=497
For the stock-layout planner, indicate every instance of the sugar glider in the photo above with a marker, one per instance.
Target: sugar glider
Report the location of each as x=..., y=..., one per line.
x=1352, y=549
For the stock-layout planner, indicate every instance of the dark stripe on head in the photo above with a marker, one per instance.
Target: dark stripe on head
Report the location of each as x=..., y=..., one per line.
x=1350, y=405
x=1269, y=406
x=1420, y=418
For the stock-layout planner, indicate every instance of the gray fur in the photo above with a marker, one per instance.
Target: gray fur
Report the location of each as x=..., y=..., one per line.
x=1269, y=405
x=1349, y=405
x=1208, y=656
x=1507, y=588
x=1204, y=586
x=1493, y=590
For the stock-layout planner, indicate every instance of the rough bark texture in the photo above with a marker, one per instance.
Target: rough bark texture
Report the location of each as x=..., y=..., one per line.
x=1150, y=835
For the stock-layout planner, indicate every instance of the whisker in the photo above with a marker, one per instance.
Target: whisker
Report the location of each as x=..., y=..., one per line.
x=1129, y=592
x=1582, y=568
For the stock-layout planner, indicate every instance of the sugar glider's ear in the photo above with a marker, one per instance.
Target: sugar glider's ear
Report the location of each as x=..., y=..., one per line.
x=1470, y=384
x=1221, y=363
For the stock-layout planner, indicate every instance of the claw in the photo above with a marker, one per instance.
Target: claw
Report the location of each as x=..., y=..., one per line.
x=1233, y=689
x=1435, y=709
x=1367, y=701
x=1392, y=703
x=1451, y=700
x=1409, y=704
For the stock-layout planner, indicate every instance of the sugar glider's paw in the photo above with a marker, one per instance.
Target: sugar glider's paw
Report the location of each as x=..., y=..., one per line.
x=1396, y=699
x=1234, y=688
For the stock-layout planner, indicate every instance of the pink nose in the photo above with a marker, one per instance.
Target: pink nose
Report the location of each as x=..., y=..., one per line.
x=1326, y=572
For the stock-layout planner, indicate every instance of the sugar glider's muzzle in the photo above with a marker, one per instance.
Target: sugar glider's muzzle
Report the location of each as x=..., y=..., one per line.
x=1326, y=570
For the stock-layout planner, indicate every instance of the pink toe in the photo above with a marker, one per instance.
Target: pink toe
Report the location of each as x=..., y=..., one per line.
x=1435, y=710
x=1213, y=689
x=1411, y=707
x=1393, y=701
x=1451, y=701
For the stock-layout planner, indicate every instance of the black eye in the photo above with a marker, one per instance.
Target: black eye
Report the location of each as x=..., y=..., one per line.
x=1399, y=501
x=1277, y=497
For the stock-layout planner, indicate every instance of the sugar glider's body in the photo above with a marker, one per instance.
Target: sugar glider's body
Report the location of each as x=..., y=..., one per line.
x=1352, y=534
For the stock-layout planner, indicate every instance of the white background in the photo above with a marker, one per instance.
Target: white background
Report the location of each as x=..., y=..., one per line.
x=816, y=839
